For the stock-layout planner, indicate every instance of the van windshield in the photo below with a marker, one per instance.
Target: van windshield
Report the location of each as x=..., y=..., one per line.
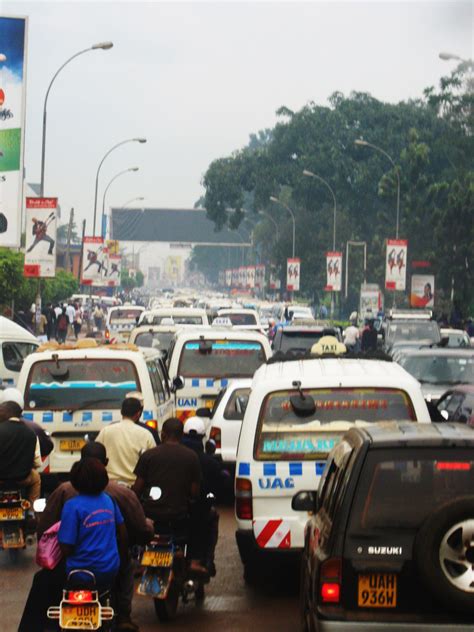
x=155, y=339
x=87, y=383
x=239, y=319
x=124, y=316
x=221, y=358
x=419, y=330
x=283, y=435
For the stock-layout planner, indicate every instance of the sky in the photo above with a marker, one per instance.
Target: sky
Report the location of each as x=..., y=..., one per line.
x=197, y=78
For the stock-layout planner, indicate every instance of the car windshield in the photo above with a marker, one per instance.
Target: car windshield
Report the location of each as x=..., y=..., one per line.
x=437, y=369
x=96, y=383
x=124, y=316
x=284, y=435
x=298, y=340
x=156, y=339
x=423, y=330
x=429, y=478
x=240, y=319
x=222, y=358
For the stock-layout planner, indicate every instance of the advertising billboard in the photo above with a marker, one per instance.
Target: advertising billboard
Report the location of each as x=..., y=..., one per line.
x=333, y=271
x=114, y=270
x=40, y=246
x=260, y=276
x=293, y=269
x=422, y=290
x=93, y=261
x=396, y=264
x=13, y=37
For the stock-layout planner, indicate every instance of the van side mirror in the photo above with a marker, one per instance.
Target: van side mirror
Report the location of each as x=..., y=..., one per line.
x=204, y=412
x=444, y=342
x=177, y=384
x=305, y=501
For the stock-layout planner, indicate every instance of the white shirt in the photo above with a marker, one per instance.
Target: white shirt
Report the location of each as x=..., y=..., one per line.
x=57, y=311
x=351, y=335
x=124, y=442
x=71, y=312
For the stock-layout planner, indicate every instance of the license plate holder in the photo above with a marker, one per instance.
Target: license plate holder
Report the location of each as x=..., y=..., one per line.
x=83, y=616
x=11, y=513
x=71, y=445
x=377, y=590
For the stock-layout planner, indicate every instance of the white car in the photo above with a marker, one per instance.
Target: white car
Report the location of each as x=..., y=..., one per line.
x=241, y=318
x=179, y=316
x=226, y=418
x=456, y=337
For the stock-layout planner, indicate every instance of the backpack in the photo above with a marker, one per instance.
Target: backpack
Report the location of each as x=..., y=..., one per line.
x=62, y=322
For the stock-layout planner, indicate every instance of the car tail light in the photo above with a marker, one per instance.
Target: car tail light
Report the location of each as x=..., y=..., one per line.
x=215, y=435
x=79, y=596
x=453, y=465
x=330, y=580
x=25, y=504
x=152, y=423
x=243, y=499
x=184, y=414
x=107, y=334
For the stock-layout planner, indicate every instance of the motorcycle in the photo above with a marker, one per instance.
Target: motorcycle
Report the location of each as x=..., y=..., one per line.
x=16, y=531
x=82, y=607
x=166, y=572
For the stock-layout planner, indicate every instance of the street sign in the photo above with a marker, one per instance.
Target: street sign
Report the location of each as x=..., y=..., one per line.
x=396, y=264
x=333, y=271
x=293, y=268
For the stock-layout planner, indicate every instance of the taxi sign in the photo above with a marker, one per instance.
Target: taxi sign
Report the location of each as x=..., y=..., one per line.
x=222, y=321
x=328, y=344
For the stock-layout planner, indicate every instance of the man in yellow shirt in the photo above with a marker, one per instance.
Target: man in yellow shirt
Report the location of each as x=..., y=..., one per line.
x=125, y=441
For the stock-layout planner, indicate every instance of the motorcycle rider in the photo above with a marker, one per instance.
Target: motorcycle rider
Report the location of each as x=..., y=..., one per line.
x=20, y=455
x=175, y=469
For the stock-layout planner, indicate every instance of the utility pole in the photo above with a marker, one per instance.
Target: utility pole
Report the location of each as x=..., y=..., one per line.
x=68, y=242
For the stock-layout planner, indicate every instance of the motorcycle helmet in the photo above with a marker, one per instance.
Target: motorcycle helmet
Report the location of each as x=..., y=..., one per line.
x=12, y=395
x=194, y=425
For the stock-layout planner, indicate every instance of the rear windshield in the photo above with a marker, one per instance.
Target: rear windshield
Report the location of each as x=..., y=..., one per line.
x=124, y=316
x=15, y=352
x=429, y=478
x=283, y=435
x=458, y=339
x=226, y=358
x=298, y=340
x=177, y=320
x=237, y=404
x=424, y=330
x=444, y=369
x=91, y=383
x=156, y=340
x=240, y=319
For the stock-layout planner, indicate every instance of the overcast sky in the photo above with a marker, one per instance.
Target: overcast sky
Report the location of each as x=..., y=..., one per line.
x=197, y=78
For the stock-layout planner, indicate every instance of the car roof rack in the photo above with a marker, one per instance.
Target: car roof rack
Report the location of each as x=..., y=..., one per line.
x=410, y=314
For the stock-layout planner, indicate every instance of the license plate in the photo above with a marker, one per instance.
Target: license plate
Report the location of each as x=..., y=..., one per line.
x=377, y=590
x=11, y=513
x=71, y=445
x=80, y=617
x=157, y=558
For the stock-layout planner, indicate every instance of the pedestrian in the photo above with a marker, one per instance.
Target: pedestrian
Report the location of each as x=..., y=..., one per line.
x=98, y=316
x=51, y=318
x=352, y=335
x=77, y=323
x=62, y=324
x=369, y=337
x=125, y=441
x=42, y=327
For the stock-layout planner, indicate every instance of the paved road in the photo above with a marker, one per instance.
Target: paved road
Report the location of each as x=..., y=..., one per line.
x=230, y=605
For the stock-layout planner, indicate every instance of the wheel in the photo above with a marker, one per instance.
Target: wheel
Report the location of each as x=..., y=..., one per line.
x=199, y=593
x=166, y=608
x=250, y=572
x=444, y=554
x=14, y=555
x=305, y=603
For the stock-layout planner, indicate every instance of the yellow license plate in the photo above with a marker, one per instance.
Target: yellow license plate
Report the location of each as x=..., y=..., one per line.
x=157, y=558
x=80, y=617
x=11, y=513
x=377, y=590
x=71, y=445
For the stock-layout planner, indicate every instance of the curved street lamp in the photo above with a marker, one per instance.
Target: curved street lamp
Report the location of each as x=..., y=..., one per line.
x=277, y=201
x=99, y=46
x=134, y=199
x=314, y=175
x=364, y=143
x=121, y=173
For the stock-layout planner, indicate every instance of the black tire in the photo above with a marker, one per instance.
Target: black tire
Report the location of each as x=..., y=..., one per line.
x=199, y=593
x=250, y=572
x=427, y=550
x=166, y=609
x=305, y=604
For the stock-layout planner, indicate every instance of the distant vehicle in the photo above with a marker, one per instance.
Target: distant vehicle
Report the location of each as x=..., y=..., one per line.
x=411, y=328
x=438, y=369
x=16, y=344
x=242, y=318
x=386, y=546
x=154, y=336
x=456, y=337
x=300, y=338
x=457, y=404
x=180, y=316
x=120, y=321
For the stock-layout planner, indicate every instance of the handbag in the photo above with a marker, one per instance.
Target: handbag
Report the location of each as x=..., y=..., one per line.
x=48, y=552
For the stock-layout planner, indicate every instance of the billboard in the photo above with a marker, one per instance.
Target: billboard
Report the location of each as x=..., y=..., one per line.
x=422, y=290
x=113, y=246
x=13, y=34
x=114, y=270
x=260, y=276
x=251, y=277
x=235, y=277
x=293, y=268
x=92, y=261
x=228, y=277
x=396, y=264
x=333, y=271
x=40, y=246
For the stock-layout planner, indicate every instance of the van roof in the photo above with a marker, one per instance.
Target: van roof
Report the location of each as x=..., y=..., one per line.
x=408, y=434
x=339, y=372
x=219, y=333
x=12, y=331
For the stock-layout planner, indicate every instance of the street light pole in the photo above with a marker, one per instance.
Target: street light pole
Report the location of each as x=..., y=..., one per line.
x=277, y=201
x=100, y=46
x=268, y=216
x=129, y=140
x=105, y=193
x=134, y=199
x=314, y=175
x=364, y=143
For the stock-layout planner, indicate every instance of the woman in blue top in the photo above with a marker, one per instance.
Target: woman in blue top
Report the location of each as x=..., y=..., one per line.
x=92, y=528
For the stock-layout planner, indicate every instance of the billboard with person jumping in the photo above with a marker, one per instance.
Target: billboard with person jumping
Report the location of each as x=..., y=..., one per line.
x=396, y=264
x=40, y=246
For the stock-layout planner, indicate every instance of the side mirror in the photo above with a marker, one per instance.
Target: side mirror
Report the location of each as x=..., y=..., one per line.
x=305, y=501
x=177, y=384
x=204, y=412
x=444, y=341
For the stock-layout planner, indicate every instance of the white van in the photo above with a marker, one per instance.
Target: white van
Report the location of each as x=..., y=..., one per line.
x=72, y=392
x=245, y=319
x=180, y=316
x=120, y=321
x=297, y=412
x=16, y=344
x=204, y=360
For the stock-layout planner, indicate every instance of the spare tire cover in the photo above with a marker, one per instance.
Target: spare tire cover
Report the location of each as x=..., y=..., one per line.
x=444, y=554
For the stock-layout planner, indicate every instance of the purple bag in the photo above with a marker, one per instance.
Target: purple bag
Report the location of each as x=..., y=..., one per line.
x=48, y=552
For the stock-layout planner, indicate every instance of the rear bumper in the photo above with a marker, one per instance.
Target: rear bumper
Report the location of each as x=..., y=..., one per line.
x=250, y=551
x=379, y=626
